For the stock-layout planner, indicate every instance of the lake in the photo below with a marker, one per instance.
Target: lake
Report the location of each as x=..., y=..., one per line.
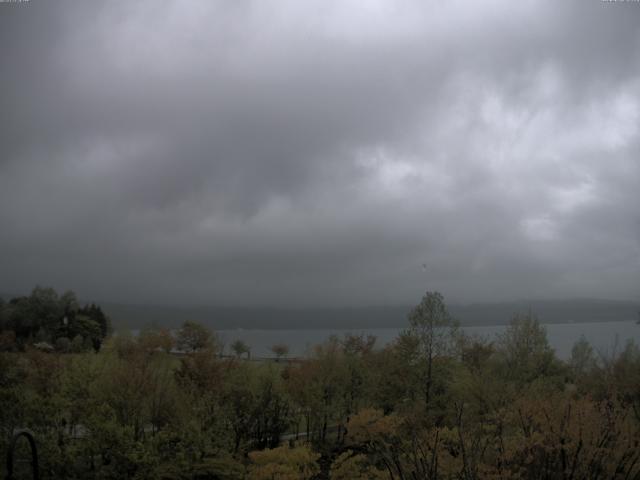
x=605, y=337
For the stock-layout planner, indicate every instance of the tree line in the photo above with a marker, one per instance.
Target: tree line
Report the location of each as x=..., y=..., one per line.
x=50, y=321
x=433, y=404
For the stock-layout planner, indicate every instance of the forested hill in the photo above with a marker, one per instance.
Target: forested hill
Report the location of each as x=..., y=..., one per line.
x=137, y=316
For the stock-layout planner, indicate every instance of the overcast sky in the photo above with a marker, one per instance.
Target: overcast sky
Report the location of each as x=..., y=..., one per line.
x=320, y=152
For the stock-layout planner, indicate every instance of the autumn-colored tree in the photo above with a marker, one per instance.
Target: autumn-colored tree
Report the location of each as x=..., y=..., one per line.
x=350, y=466
x=280, y=350
x=284, y=463
x=560, y=437
x=403, y=449
x=151, y=340
x=193, y=336
x=137, y=409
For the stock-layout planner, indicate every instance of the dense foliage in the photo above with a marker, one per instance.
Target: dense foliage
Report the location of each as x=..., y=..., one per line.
x=50, y=321
x=434, y=404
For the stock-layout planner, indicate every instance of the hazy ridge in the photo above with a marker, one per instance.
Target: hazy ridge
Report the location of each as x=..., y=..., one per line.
x=560, y=311
x=494, y=313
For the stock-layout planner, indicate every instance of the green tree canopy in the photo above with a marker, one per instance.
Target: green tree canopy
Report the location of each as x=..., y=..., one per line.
x=434, y=331
x=240, y=348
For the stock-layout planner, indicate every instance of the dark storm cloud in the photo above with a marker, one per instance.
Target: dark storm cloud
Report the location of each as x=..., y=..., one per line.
x=226, y=152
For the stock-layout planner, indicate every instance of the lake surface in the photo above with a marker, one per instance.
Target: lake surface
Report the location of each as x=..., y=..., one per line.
x=605, y=337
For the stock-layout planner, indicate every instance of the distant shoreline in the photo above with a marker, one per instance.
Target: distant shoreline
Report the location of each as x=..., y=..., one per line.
x=548, y=312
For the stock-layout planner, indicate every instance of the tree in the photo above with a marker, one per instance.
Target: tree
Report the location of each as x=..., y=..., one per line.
x=434, y=330
x=69, y=304
x=358, y=344
x=77, y=344
x=320, y=386
x=240, y=348
x=403, y=448
x=3, y=314
x=156, y=340
x=271, y=410
x=474, y=351
x=525, y=349
x=95, y=313
x=26, y=315
x=557, y=436
x=44, y=316
x=357, y=352
x=194, y=336
x=280, y=350
x=284, y=463
x=88, y=344
x=45, y=308
x=86, y=327
x=350, y=466
x=63, y=344
x=8, y=341
x=582, y=359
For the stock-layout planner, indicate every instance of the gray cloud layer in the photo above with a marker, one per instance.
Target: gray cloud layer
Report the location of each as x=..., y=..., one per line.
x=297, y=153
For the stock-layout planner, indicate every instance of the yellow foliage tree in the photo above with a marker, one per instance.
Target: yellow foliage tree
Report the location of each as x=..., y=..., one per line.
x=355, y=467
x=284, y=463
